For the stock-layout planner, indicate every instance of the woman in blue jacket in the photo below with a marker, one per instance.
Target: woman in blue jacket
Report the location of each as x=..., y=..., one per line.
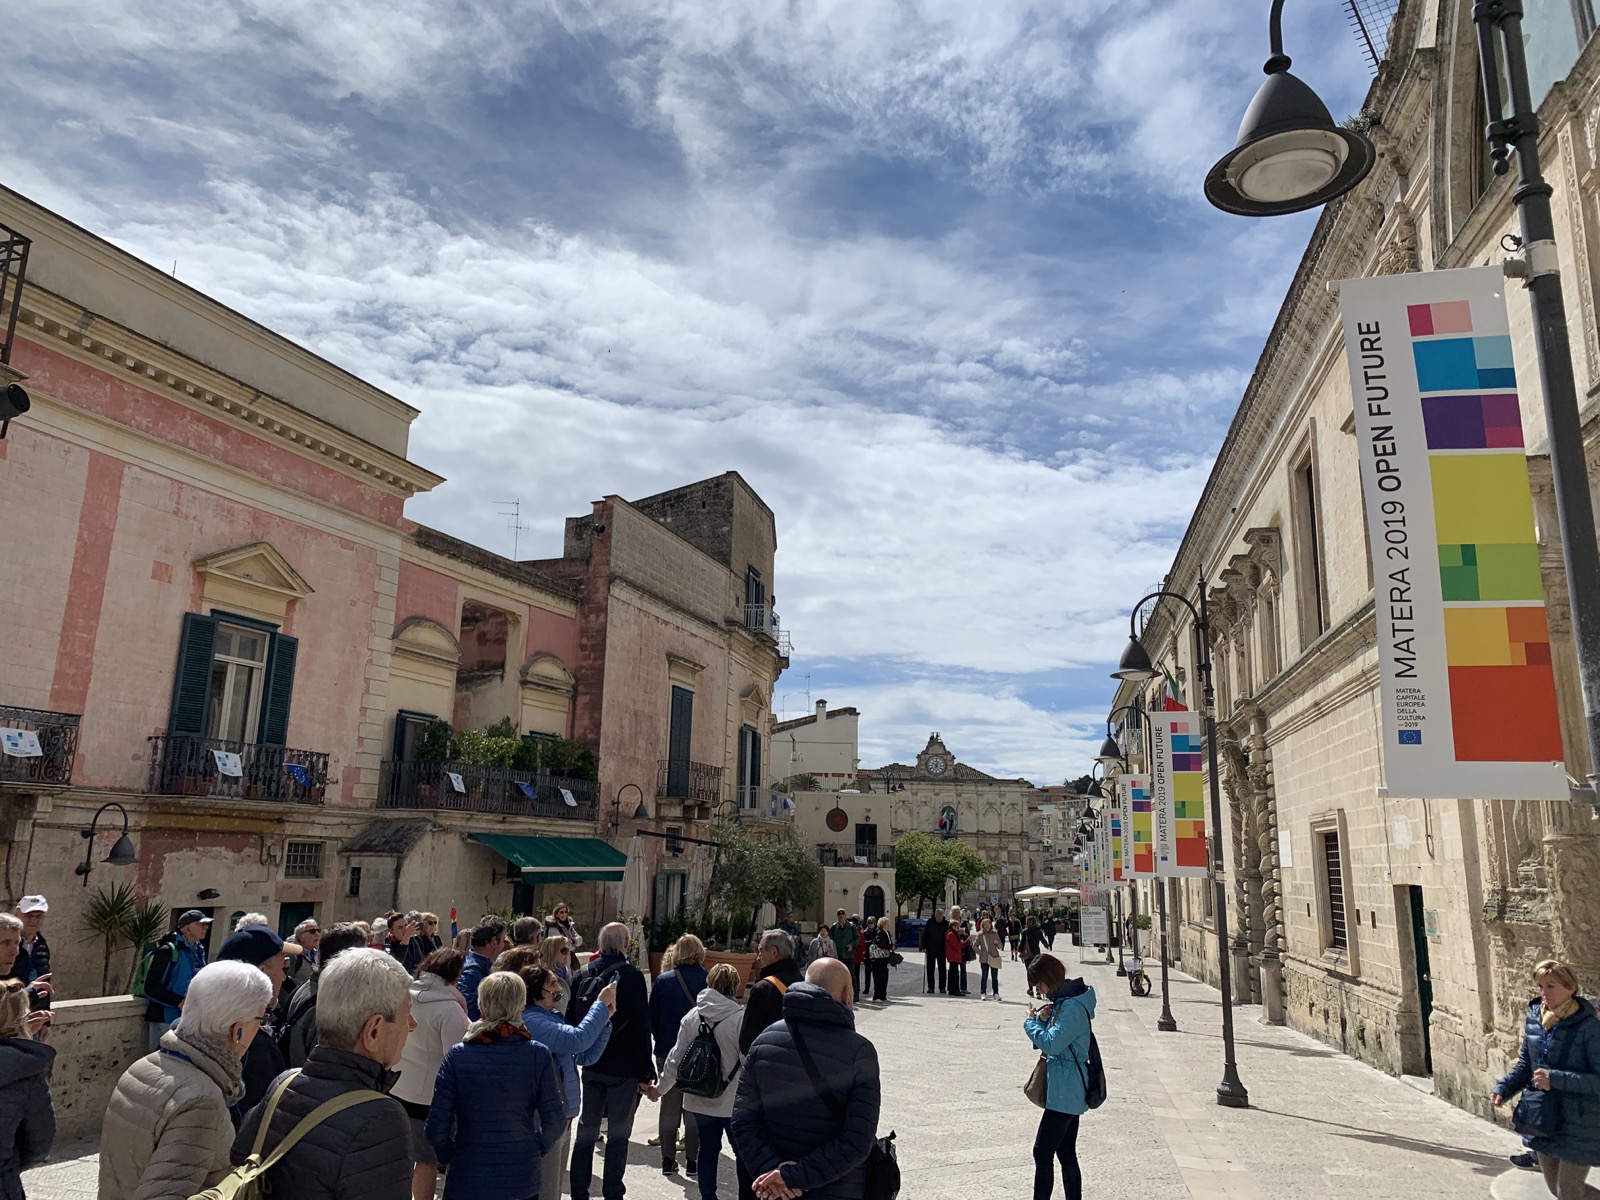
x=1561, y=1056
x=1059, y=1029
x=573, y=1046
x=496, y=1107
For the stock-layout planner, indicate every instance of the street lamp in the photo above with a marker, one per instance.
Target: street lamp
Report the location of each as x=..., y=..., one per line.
x=121, y=855
x=1135, y=667
x=641, y=813
x=1290, y=155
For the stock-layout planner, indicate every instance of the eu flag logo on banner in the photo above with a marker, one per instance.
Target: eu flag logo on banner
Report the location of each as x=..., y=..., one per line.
x=1411, y=737
x=526, y=789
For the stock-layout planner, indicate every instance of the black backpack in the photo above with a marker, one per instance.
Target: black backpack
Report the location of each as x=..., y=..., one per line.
x=587, y=989
x=700, y=1072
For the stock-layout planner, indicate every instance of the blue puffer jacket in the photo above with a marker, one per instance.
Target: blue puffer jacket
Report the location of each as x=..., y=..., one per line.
x=669, y=1004
x=496, y=1112
x=1571, y=1051
x=478, y=965
x=778, y=1116
x=573, y=1046
x=1065, y=1040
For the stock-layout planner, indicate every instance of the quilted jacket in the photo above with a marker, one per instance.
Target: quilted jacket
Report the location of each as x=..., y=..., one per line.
x=1064, y=1040
x=363, y=1153
x=669, y=1001
x=1571, y=1053
x=778, y=1116
x=573, y=1046
x=27, y=1118
x=497, y=1110
x=167, y=1130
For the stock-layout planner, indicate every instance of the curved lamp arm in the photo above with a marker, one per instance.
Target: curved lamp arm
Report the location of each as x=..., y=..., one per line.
x=1178, y=596
x=121, y=851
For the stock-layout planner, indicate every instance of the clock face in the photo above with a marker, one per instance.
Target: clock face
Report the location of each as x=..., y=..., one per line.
x=936, y=765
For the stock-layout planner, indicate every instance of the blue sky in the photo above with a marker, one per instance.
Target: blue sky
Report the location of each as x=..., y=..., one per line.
x=937, y=278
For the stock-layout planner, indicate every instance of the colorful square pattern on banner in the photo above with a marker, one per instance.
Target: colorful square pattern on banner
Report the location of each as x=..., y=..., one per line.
x=1139, y=833
x=1114, y=824
x=1177, y=793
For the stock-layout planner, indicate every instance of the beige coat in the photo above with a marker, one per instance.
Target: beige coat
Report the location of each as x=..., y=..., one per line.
x=167, y=1132
x=987, y=946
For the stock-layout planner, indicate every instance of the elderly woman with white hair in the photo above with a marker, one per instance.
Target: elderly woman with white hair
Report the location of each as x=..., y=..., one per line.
x=167, y=1129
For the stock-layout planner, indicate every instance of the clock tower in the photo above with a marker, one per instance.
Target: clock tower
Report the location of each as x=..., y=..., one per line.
x=935, y=759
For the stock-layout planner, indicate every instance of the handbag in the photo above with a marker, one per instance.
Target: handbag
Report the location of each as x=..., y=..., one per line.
x=967, y=952
x=1538, y=1114
x=883, y=1164
x=1037, y=1088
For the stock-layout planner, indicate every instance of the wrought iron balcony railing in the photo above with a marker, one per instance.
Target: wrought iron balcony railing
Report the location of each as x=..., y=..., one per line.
x=468, y=787
x=680, y=779
x=763, y=802
x=58, y=746
x=193, y=766
x=848, y=854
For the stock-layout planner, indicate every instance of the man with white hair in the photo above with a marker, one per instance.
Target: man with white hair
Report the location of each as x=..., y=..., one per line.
x=34, y=959
x=623, y=1072
x=363, y=1153
x=777, y=971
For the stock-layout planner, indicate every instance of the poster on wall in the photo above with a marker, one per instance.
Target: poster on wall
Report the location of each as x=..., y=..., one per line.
x=1138, y=827
x=1177, y=794
x=1468, y=691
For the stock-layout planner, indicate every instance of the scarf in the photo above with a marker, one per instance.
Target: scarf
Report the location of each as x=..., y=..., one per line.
x=1551, y=1017
x=483, y=1033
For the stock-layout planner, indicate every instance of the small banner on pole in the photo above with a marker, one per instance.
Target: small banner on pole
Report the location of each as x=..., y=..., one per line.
x=1177, y=794
x=1138, y=827
x=1116, y=834
x=1468, y=690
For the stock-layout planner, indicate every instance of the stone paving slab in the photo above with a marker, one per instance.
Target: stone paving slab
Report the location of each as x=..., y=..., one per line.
x=1320, y=1125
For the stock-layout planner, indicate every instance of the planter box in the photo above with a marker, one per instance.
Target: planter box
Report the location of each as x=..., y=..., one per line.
x=745, y=963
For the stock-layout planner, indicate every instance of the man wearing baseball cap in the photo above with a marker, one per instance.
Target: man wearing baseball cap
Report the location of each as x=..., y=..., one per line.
x=263, y=1061
x=178, y=957
x=34, y=960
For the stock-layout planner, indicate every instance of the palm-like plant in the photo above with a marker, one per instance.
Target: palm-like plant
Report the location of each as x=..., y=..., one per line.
x=146, y=923
x=106, y=920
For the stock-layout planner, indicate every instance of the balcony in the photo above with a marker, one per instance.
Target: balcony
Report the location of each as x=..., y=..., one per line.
x=689, y=782
x=763, y=802
x=848, y=854
x=58, y=746
x=192, y=766
x=469, y=787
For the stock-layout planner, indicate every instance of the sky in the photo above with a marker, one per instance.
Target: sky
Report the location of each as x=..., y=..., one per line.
x=937, y=278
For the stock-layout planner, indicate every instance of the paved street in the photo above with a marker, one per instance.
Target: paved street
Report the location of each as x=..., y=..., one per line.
x=1320, y=1125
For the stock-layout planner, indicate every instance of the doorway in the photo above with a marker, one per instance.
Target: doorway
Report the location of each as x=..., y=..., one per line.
x=1418, y=915
x=290, y=915
x=872, y=903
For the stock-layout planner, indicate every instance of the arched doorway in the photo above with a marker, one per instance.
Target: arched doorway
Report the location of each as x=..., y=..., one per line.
x=872, y=902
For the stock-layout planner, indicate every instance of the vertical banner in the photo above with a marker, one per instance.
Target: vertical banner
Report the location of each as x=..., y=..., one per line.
x=1116, y=833
x=1177, y=794
x=1138, y=827
x=1469, y=700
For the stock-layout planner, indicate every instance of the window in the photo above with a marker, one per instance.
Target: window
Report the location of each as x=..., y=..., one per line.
x=1337, y=935
x=302, y=860
x=680, y=741
x=408, y=727
x=234, y=680
x=1308, y=552
x=749, y=766
x=1553, y=31
x=355, y=882
x=755, y=591
x=866, y=835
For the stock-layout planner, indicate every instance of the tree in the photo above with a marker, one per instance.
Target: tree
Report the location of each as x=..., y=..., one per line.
x=923, y=864
x=146, y=923
x=751, y=870
x=105, y=920
x=1080, y=784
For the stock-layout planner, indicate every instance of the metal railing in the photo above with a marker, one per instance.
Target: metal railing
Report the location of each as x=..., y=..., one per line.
x=58, y=746
x=762, y=802
x=759, y=618
x=470, y=787
x=849, y=854
x=13, y=271
x=190, y=766
x=680, y=779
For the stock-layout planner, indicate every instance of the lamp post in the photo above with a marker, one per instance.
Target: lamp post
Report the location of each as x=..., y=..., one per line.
x=1166, y=1022
x=1135, y=667
x=641, y=813
x=121, y=854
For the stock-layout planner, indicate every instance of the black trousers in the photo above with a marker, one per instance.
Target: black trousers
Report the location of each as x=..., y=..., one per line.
x=879, y=970
x=855, y=976
x=1057, y=1140
x=935, y=961
x=958, y=978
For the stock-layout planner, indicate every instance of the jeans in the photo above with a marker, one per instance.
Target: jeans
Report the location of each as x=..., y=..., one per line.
x=1564, y=1178
x=986, y=973
x=154, y=1029
x=667, y=1122
x=709, y=1133
x=934, y=959
x=1057, y=1139
x=553, y=1163
x=616, y=1100
x=879, y=969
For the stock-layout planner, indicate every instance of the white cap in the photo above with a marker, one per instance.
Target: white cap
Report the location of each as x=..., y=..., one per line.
x=33, y=904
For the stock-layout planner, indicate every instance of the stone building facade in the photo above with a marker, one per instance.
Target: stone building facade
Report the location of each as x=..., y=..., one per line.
x=1397, y=929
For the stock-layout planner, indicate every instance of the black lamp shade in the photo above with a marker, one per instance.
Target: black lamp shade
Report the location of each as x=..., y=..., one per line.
x=1290, y=155
x=1110, y=752
x=1095, y=790
x=641, y=813
x=122, y=854
x=1134, y=665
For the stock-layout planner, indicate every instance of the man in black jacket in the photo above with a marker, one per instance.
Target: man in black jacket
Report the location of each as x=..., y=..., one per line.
x=776, y=969
x=263, y=1061
x=931, y=943
x=299, y=1031
x=623, y=1072
x=799, y=1138
x=362, y=1153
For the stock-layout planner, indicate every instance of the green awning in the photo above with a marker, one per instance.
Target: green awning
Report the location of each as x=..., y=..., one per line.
x=558, y=859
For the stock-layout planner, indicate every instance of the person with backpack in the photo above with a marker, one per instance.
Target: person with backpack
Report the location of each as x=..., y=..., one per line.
x=1062, y=1030
x=163, y=977
x=776, y=970
x=624, y=1072
x=497, y=1109
x=359, y=1147
x=703, y=1067
x=670, y=999
x=572, y=1046
x=298, y=1032
x=167, y=1129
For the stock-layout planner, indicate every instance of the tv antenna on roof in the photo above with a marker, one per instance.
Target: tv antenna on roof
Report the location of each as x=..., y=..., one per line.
x=513, y=510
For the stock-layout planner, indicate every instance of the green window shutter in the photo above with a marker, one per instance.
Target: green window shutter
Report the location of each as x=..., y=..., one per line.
x=191, y=688
x=279, y=689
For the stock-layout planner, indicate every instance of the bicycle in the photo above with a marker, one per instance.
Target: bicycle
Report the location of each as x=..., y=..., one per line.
x=1138, y=981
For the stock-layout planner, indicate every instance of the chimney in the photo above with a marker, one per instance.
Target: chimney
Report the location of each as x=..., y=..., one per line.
x=822, y=711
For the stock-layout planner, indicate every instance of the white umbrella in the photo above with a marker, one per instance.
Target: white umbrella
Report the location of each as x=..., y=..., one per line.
x=1037, y=892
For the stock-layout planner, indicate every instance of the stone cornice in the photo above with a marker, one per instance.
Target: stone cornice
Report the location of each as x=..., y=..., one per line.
x=58, y=324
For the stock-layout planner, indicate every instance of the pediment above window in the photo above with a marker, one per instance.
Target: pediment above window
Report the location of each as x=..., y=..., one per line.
x=253, y=580
x=548, y=673
x=426, y=639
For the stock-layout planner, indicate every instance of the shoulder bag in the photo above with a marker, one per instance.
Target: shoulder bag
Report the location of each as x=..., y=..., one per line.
x=1092, y=1073
x=883, y=1164
x=1538, y=1114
